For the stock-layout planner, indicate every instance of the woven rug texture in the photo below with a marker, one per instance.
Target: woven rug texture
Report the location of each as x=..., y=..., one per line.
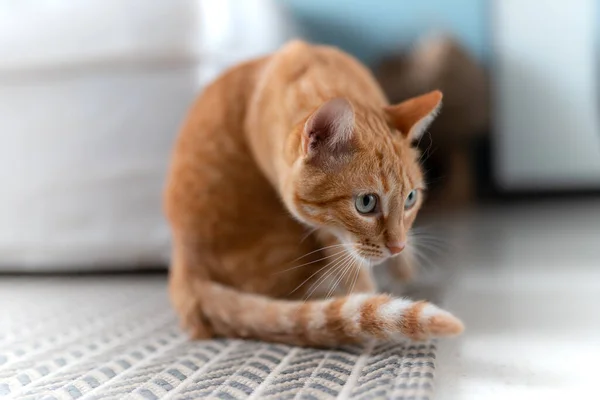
x=117, y=338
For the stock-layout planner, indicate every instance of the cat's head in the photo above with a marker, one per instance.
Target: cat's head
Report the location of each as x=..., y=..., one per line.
x=358, y=174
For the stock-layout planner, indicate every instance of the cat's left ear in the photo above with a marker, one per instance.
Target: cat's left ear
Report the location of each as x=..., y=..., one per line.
x=328, y=132
x=413, y=116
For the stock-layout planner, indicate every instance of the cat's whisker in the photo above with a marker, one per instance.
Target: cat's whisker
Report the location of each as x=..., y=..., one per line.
x=316, y=272
x=424, y=233
x=308, y=263
x=350, y=269
x=356, y=274
x=343, y=273
x=421, y=228
x=427, y=151
x=429, y=154
x=433, y=249
x=329, y=264
x=307, y=235
x=426, y=230
x=317, y=250
x=324, y=277
x=424, y=261
x=431, y=242
x=355, y=267
x=436, y=251
x=347, y=278
x=430, y=239
x=338, y=274
x=432, y=245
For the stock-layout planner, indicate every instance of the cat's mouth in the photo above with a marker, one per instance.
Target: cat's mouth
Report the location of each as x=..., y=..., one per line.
x=369, y=255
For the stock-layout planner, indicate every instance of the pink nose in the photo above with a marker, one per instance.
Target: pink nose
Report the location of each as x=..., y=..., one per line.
x=395, y=247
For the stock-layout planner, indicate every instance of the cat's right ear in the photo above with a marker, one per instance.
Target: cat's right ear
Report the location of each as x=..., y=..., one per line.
x=413, y=116
x=329, y=130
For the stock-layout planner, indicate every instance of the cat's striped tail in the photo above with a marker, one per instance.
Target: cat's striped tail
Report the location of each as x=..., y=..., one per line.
x=350, y=319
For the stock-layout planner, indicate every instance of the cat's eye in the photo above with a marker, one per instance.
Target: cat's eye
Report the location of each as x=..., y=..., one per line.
x=366, y=203
x=411, y=199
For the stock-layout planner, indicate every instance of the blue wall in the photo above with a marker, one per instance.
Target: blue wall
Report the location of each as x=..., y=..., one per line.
x=370, y=29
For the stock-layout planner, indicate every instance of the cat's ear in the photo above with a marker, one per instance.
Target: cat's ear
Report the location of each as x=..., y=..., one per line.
x=328, y=131
x=413, y=116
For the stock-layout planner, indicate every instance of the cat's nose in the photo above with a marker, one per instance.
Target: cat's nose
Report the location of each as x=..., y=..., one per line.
x=395, y=247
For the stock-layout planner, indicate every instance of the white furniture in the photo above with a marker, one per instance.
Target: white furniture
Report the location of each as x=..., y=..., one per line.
x=90, y=103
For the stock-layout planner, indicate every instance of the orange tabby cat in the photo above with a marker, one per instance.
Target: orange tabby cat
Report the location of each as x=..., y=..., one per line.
x=301, y=138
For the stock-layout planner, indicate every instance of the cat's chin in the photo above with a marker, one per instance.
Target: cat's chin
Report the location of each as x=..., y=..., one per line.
x=377, y=261
x=366, y=261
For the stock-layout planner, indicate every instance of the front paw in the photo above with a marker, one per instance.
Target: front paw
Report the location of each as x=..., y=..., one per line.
x=189, y=310
x=193, y=323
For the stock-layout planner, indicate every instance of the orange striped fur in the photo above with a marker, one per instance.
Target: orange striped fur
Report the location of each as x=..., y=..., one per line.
x=277, y=147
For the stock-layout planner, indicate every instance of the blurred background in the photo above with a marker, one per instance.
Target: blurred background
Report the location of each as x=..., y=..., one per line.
x=92, y=95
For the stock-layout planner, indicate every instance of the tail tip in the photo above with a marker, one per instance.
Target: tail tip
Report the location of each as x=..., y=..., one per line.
x=444, y=325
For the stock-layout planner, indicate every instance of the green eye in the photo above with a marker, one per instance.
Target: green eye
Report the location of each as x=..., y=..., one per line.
x=411, y=199
x=366, y=203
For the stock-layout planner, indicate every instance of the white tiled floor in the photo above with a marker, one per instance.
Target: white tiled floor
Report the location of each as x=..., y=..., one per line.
x=527, y=286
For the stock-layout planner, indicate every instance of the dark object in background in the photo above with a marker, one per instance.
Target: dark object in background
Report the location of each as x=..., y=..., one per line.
x=441, y=63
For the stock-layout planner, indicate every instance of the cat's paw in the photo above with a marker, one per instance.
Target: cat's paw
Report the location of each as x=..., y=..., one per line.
x=195, y=326
x=189, y=310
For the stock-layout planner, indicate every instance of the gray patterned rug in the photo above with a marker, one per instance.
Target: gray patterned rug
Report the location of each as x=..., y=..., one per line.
x=117, y=338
